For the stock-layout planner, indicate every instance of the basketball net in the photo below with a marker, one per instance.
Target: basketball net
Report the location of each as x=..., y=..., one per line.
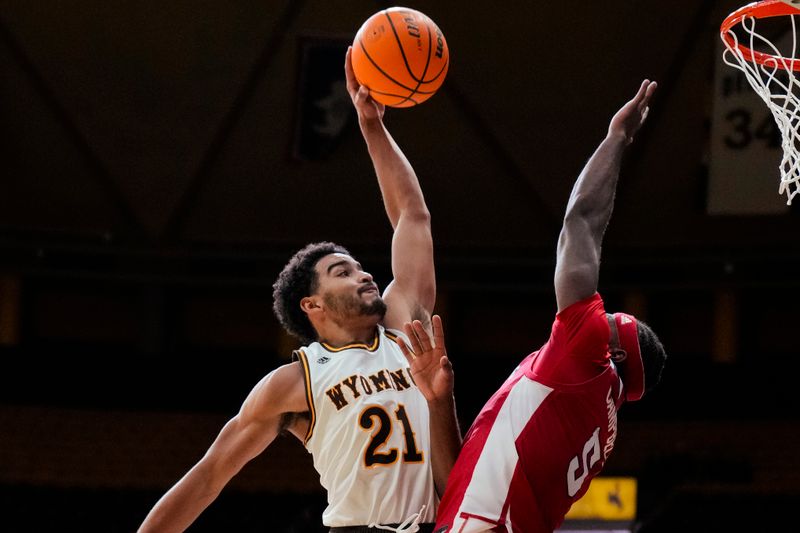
x=771, y=73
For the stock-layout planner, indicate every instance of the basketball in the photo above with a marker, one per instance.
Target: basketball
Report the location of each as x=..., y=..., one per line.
x=401, y=56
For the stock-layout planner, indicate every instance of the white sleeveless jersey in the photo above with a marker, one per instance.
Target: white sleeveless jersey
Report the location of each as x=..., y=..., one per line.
x=368, y=433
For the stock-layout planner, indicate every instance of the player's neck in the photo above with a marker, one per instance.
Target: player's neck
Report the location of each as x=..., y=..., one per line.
x=337, y=335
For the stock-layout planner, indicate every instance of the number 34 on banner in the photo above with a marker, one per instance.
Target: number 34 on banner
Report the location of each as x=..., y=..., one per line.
x=745, y=149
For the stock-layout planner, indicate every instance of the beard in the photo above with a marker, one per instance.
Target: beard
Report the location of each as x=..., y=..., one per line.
x=349, y=305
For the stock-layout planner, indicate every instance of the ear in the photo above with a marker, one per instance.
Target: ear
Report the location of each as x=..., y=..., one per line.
x=618, y=355
x=310, y=305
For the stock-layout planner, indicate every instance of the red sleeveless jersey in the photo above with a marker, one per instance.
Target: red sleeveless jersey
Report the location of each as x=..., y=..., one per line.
x=542, y=436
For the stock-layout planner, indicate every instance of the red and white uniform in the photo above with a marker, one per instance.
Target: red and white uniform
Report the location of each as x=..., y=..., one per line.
x=539, y=440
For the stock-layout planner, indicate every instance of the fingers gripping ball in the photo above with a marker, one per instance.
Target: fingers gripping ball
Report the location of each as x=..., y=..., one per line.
x=401, y=56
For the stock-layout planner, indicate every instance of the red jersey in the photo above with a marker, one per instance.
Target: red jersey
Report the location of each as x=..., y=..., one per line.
x=539, y=440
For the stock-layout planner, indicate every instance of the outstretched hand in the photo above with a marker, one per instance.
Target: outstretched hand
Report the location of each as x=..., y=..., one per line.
x=427, y=356
x=632, y=115
x=366, y=107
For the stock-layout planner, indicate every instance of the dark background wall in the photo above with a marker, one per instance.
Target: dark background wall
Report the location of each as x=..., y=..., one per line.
x=161, y=161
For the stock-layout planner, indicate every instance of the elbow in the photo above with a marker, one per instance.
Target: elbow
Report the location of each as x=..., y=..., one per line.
x=576, y=224
x=418, y=215
x=583, y=218
x=580, y=209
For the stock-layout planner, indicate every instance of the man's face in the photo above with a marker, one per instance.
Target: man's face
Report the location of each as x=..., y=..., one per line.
x=346, y=289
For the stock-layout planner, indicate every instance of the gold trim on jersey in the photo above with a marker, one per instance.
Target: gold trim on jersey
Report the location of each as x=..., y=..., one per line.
x=369, y=347
x=301, y=356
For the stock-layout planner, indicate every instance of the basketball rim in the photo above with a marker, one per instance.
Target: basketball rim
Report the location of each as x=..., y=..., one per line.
x=760, y=10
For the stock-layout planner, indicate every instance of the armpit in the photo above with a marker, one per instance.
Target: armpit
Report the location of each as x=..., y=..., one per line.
x=295, y=424
x=422, y=314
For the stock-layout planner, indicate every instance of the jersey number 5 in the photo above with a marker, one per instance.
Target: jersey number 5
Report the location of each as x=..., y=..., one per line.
x=374, y=455
x=581, y=464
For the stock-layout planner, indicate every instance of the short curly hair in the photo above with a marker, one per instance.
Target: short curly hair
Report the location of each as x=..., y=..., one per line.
x=297, y=280
x=653, y=354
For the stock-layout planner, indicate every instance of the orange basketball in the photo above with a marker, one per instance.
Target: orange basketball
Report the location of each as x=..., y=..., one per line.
x=400, y=55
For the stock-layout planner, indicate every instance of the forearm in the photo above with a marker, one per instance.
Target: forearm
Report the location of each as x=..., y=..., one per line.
x=445, y=440
x=398, y=183
x=592, y=198
x=181, y=505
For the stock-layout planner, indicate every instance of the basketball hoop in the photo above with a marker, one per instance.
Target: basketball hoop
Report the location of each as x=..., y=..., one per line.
x=771, y=73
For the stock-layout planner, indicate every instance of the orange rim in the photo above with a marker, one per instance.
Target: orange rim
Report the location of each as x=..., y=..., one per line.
x=758, y=10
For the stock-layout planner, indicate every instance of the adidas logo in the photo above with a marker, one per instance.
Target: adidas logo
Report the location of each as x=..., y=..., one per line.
x=322, y=360
x=625, y=320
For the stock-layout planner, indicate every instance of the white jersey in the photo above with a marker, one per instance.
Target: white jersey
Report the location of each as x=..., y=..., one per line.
x=368, y=432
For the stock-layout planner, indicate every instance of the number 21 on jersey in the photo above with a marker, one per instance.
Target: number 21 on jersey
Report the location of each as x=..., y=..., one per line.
x=375, y=418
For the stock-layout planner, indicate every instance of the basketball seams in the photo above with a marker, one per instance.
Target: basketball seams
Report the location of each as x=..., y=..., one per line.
x=383, y=72
x=430, y=49
x=430, y=25
x=427, y=23
x=402, y=98
x=441, y=71
x=400, y=46
x=405, y=61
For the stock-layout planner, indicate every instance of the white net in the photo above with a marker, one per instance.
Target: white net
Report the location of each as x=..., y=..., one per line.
x=775, y=83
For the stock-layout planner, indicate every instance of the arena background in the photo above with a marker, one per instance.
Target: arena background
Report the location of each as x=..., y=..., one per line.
x=160, y=161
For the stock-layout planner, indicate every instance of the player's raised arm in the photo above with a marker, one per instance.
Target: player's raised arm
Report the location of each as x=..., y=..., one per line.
x=412, y=293
x=591, y=203
x=244, y=437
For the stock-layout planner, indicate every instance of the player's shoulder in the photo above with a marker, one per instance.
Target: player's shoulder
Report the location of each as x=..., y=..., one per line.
x=280, y=392
x=583, y=319
x=284, y=386
x=588, y=304
x=288, y=375
x=582, y=313
x=288, y=372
